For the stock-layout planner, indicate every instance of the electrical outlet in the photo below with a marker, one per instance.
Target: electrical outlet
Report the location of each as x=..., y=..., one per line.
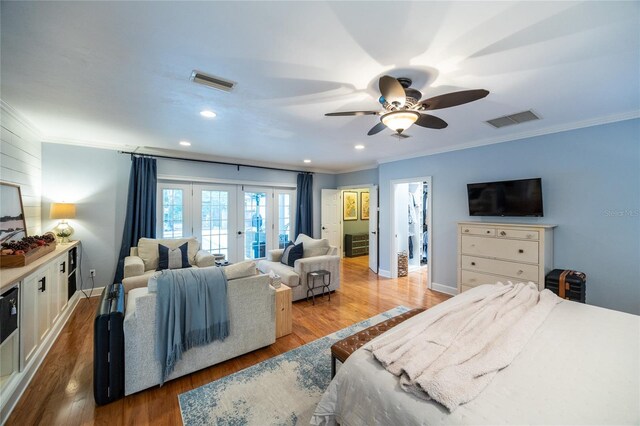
x=92, y=272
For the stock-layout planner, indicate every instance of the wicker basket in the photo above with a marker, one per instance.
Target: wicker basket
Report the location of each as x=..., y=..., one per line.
x=403, y=264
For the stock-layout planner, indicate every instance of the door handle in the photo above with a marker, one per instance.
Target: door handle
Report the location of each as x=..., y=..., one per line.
x=63, y=267
x=323, y=228
x=373, y=232
x=43, y=280
x=240, y=232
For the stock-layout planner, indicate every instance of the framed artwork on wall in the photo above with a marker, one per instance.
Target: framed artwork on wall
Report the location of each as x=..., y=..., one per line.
x=12, y=223
x=350, y=206
x=364, y=205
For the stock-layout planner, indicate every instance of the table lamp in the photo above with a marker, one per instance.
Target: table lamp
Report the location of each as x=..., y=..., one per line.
x=63, y=211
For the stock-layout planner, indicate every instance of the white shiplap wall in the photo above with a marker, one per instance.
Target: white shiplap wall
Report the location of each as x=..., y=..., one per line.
x=21, y=162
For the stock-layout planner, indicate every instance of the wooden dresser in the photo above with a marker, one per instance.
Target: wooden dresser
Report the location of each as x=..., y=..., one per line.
x=356, y=245
x=492, y=252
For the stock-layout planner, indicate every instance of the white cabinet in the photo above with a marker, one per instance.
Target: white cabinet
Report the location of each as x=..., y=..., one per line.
x=44, y=293
x=58, y=287
x=63, y=282
x=43, y=309
x=492, y=252
x=34, y=312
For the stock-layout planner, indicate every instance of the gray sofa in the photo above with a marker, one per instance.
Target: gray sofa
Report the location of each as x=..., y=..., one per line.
x=318, y=254
x=251, y=316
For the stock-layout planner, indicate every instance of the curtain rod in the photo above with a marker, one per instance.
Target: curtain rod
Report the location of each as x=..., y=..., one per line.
x=167, y=157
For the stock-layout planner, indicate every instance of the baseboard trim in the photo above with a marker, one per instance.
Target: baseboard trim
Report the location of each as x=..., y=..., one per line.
x=384, y=273
x=97, y=291
x=441, y=288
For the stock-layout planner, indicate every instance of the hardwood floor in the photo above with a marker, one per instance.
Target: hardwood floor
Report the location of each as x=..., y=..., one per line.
x=61, y=393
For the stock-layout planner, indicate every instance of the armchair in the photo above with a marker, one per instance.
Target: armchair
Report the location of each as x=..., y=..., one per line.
x=318, y=254
x=142, y=262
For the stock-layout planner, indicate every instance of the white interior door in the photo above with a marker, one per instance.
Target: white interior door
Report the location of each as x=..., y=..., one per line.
x=373, y=228
x=330, y=215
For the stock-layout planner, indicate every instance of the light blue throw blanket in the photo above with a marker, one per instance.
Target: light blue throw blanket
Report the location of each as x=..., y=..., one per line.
x=191, y=311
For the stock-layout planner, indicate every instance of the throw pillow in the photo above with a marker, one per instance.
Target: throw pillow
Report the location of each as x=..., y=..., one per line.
x=313, y=247
x=240, y=270
x=292, y=253
x=173, y=258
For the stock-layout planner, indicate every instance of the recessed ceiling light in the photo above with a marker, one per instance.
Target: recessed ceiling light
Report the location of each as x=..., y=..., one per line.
x=185, y=143
x=307, y=161
x=207, y=114
x=359, y=147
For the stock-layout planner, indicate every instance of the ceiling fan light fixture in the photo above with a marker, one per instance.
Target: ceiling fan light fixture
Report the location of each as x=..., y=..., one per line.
x=400, y=121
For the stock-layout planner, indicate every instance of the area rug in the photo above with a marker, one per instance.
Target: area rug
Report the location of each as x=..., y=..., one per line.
x=283, y=390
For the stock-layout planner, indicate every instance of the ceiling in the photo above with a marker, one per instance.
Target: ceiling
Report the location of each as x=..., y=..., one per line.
x=116, y=74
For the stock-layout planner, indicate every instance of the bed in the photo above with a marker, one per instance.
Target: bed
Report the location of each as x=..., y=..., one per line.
x=582, y=366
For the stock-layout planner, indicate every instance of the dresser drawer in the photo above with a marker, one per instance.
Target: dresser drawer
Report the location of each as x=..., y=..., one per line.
x=519, y=271
x=474, y=279
x=478, y=230
x=520, y=251
x=517, y=233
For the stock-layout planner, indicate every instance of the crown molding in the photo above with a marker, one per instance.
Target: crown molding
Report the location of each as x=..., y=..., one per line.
x=8, y=109
x=613, y=118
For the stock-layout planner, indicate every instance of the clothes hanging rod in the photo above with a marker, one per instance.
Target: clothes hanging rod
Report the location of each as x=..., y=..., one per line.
x=224, y=163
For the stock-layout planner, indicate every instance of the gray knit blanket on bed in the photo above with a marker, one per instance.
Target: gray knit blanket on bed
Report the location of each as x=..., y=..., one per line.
x=191, y=311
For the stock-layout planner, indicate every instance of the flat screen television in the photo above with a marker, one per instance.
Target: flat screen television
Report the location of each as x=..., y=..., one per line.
x=507, y=198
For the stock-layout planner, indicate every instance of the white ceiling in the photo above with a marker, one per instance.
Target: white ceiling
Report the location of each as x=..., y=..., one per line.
x=117, y=73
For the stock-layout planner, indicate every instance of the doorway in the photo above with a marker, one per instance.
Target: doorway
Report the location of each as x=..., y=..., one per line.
x=411, y=201
x=350, y=222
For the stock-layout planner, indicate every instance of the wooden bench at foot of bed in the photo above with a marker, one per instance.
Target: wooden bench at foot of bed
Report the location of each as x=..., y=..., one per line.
x=342, y=349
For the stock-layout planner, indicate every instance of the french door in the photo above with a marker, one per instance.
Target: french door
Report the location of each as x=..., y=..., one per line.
x=241, y=222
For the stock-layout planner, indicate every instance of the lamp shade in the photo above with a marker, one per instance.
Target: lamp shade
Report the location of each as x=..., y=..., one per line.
x=62, y=211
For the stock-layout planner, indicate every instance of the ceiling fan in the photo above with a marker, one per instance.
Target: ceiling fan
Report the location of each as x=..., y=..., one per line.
x=403, y=107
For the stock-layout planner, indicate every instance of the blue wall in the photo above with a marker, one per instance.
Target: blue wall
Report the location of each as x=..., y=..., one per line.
x=361, y=177
x=591, y=190
x=97, y=181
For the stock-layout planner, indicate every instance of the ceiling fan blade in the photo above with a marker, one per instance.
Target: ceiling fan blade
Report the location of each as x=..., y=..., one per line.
x=377, y=128
x=430, y=121
x=346, y=113
x=392, y=90
x=454, y=99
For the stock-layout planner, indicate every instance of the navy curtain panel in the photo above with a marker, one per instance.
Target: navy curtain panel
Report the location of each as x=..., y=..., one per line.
x=304, y=200
x=140, y=220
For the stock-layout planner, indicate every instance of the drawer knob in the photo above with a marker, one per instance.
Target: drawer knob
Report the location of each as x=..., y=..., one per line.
x=473, y=263
x=520, y=272
x=503, y=233
x=466, y=230
x=472, y=280
x=488, y=232
x=529, y=236
x=520, y=251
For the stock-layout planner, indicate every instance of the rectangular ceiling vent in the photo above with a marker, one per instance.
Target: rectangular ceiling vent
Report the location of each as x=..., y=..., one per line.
x=212, y=81
x=518, y=118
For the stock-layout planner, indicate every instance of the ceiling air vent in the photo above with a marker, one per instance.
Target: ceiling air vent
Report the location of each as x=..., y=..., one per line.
x=212, y=81
x=518, y=118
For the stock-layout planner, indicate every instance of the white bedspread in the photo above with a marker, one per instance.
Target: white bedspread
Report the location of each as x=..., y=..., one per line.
x=582, y=366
